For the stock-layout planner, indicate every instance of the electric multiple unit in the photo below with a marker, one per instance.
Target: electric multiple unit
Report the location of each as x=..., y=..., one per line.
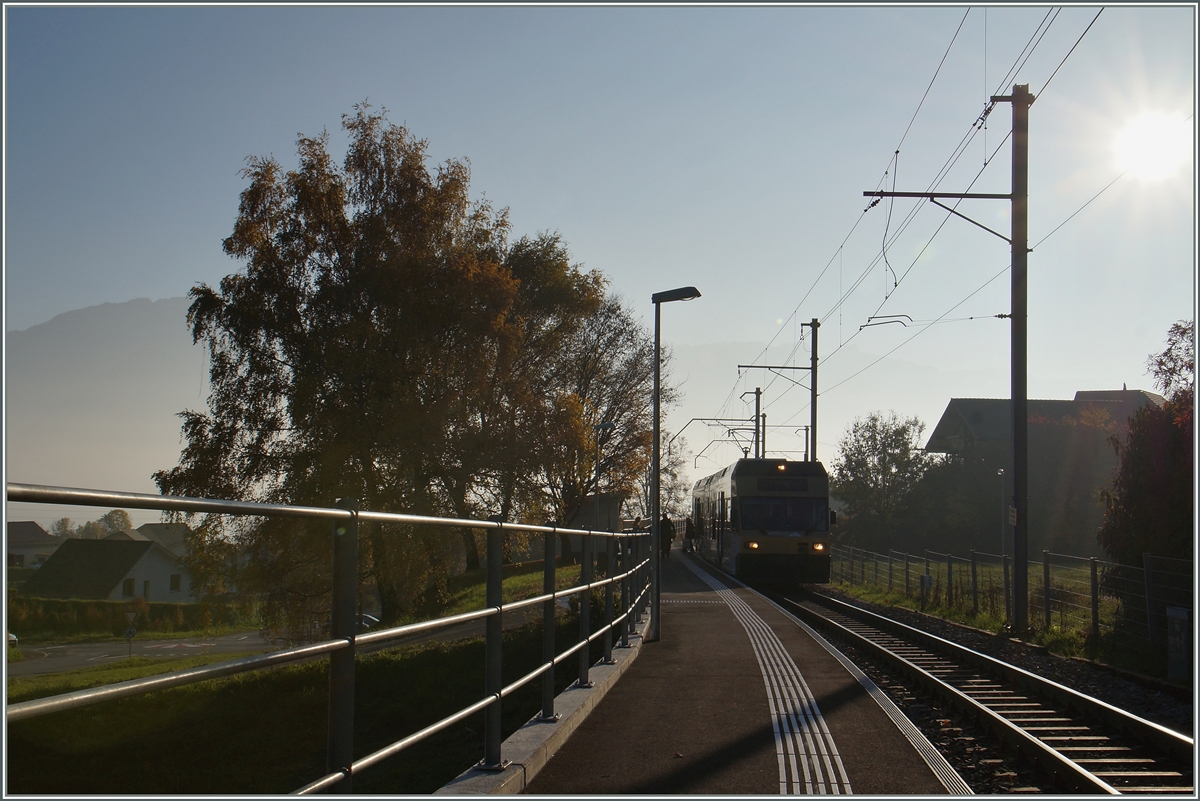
x=765, y=520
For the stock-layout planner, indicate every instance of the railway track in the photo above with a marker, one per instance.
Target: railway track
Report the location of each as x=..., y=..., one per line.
x=1079, y=743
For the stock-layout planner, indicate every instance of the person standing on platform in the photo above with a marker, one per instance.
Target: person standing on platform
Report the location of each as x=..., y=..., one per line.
x=666, y=535
x=689, y=536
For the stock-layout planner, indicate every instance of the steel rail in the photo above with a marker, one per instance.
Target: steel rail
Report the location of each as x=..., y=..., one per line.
x=1059, y=766
x=1174, y=745
x=1168, y=740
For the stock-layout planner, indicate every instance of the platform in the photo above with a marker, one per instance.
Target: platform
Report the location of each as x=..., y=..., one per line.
x=737, y=697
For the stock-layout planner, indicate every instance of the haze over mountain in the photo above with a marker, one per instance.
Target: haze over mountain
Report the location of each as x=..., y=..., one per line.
x=91, y=397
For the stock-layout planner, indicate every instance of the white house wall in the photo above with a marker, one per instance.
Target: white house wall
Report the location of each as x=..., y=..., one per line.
x=157, y=567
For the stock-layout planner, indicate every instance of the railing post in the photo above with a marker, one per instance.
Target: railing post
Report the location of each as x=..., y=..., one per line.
x=906, y=590
x=1095, y=605
x=494, y=645
x=626, y=583
x=340, y=737
x=609, y=559
x=549, y=573
x=1046, y=587
x=889, y=570
x=875, y=566
x=638, y=581
x=1007, y=591
x=974, y=584
x=585, y=609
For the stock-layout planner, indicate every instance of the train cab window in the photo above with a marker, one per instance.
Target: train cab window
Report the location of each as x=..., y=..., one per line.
x=785, y=514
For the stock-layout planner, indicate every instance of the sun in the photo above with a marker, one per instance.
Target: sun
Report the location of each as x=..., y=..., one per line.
x=1154, y=146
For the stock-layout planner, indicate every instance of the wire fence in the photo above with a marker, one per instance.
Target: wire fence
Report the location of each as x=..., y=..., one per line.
x=626, y=588
x=1118, y=610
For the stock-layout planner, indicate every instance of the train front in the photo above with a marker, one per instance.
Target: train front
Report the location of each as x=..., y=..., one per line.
x=779, y=519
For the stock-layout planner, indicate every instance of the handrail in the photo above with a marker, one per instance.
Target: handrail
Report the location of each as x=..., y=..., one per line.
x=73, y=496
x=342, y=645
x=72, y=700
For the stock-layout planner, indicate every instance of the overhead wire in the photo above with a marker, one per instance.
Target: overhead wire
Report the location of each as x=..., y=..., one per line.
x=837, y=252
x=1035, y=40
x=993, y=278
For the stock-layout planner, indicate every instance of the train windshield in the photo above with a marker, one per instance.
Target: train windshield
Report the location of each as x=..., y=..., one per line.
x=784, y=514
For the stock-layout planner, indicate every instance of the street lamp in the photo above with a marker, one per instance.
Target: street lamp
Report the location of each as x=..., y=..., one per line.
x=659, y=298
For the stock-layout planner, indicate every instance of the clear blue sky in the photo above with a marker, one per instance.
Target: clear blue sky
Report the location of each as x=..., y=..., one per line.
x=726, y=148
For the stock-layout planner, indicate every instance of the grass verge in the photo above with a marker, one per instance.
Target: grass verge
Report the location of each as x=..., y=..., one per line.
x=264, y=732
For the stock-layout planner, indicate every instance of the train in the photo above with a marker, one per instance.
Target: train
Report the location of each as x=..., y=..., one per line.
x=766, y=521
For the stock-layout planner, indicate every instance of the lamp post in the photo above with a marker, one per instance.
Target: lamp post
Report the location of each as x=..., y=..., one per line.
x=659, y=298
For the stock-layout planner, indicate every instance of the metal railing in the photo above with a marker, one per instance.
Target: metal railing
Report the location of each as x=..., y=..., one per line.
x=628, y=550
x=1124, y=606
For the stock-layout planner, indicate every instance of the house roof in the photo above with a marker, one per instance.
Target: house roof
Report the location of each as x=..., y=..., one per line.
x=128, y=534
x=27, y=532
x=86, y=568
x=968, y=420
x=172, y=536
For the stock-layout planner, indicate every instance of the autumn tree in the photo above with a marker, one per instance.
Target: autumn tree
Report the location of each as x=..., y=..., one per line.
x=1149, y=508
x=116, y=520
x=383, y=341
x=877, y=469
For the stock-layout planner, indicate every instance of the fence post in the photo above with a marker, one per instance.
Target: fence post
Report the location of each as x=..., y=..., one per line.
x=1046, y=587
x=875, y=565
x=493, y=643
x=889, y=570
x=1095, y=605
x=549, y=564
x=340, y=736
x=906, y=590
x=949, y=581
x=974, y=584
x=1007, y=592
x=609, y=560
x=585, y=610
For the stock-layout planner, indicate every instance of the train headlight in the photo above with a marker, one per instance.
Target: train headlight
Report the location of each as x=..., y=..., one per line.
x=752, y=546
x=818, y=546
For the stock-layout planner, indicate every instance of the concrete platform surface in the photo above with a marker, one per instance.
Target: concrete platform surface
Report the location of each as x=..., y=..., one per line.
x=740, y=698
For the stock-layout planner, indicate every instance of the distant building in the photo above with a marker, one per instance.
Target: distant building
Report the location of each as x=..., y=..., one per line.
x=113, y=569
x=28, y=544
x=970, y=422
x=1071, y=458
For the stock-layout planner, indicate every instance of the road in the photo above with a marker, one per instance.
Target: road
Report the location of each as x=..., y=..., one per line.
x=44, y=659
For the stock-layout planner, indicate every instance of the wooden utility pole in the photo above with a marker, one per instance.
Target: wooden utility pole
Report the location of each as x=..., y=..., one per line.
x=1021, y=100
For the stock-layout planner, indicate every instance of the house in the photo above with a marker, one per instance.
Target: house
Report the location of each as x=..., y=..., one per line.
x=113, y=569
x=28, y=544
x=968, y=423
x=1071, y=458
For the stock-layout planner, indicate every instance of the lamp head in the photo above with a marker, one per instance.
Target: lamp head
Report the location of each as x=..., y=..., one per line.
x=683, y=293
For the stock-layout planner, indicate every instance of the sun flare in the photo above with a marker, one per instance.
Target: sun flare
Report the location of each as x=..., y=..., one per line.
x=1154, y=145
